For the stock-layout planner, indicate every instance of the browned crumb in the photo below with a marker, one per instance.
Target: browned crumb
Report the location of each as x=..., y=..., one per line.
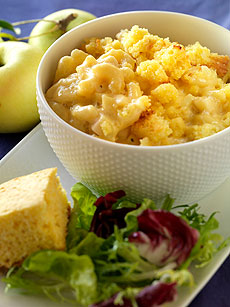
x=221, y=63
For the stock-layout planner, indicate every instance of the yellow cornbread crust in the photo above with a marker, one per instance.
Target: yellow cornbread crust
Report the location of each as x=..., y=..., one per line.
x=34, y=212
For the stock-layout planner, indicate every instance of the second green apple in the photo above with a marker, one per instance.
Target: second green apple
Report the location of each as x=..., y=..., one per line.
x=42, y=35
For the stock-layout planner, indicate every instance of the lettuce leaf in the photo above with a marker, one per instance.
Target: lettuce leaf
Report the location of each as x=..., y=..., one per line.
x=59, y=275
x=82, y=213
x=209, y=242
x=84, y=246
x=163, y=237
x=131, y=217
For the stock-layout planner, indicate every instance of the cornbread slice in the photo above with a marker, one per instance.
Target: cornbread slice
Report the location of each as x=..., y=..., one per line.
x=34, y=212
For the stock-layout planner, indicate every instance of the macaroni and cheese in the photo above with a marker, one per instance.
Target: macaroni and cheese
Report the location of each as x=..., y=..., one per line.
x=142, y=89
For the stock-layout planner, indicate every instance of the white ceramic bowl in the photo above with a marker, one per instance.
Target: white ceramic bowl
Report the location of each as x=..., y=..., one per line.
x=187, y=172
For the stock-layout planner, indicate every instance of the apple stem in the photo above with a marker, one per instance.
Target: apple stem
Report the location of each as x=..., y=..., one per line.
x=63, y=23
x=59, y=25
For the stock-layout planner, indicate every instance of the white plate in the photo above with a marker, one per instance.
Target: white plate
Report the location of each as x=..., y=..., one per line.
x=34, y=153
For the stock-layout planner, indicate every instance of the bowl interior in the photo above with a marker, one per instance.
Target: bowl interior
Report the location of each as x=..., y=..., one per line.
x=182, y=28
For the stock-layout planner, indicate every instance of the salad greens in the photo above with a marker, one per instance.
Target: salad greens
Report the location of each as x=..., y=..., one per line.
x=106, y=263
x=207, y=244
x=55, y=273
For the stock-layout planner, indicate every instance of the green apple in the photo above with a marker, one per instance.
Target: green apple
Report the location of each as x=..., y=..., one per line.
x=41, y=36
x=18, y=68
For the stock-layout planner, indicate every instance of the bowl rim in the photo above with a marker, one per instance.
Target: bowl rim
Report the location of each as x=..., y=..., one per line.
x=77, y=132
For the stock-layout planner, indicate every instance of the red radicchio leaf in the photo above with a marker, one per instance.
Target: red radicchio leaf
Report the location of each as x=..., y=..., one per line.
x=163, y=237
x=151, y=296
x=105, y=217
